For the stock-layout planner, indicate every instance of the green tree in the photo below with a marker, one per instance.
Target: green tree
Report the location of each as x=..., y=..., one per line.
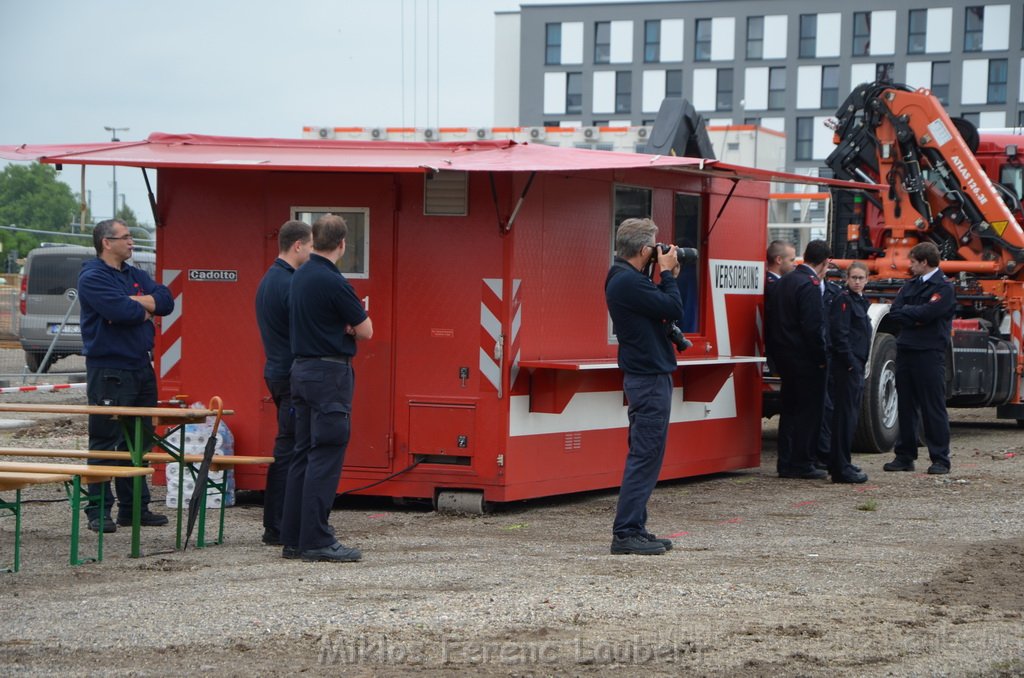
x=127, y=215
x=32, y=197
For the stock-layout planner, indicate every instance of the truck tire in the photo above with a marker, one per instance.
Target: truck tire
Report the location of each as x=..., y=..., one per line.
x=878, y=427
x=33, y=359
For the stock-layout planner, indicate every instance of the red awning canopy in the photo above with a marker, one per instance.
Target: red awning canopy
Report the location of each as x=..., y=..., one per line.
x=313, y=155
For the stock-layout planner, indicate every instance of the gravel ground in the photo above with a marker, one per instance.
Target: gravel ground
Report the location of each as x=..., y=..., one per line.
x=908, y=575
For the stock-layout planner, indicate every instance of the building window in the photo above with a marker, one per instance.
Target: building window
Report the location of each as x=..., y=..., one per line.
x=702, y=49
x=829, y=86
x=884, y=71
x=573, y=93
x=553, y=44
x=776, y=88
x=916, y=31
x=723, y=96
x=808, y=35
x=356, y=261
x=997, y=81
x=940, y=81
x=1020, y=123
x=752, y=121
x=652, y=41
x=599, y=123
x=804, y=138
x=861, y=33
x=602, y=42
x=674, y=84
x=623, y=91
x=687, y=231
x=974, y=28
x=973, y=118
x=755, y=37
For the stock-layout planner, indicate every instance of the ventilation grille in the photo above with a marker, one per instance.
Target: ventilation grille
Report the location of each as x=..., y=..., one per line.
x=445, y=194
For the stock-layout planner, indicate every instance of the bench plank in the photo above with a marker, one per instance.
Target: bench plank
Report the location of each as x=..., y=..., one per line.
x=16, y=480
x=83, y=470
x=219, y=460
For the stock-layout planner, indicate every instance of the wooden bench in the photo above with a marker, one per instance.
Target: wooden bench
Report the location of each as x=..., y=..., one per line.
x=92, y=474
x=190, y=461
x=131, y=419
x=17, y=481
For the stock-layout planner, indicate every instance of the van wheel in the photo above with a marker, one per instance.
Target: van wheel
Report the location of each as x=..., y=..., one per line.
x=34, y=359
x=878, y=427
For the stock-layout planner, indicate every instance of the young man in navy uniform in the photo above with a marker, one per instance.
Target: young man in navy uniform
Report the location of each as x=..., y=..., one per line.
x=850, y=342
x=924, y=308
x=797, y=344
x=639, y=310
x=294, y=242
x=326, y=319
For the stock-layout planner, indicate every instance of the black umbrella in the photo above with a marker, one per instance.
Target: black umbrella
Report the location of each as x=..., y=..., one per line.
x=199, y=494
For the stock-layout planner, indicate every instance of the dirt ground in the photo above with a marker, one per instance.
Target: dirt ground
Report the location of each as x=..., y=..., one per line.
x=908, y=575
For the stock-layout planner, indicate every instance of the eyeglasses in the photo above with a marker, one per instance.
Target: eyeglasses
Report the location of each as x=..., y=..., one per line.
x=129, y=236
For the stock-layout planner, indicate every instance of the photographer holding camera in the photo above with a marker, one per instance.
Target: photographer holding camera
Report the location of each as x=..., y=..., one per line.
x=642, y=314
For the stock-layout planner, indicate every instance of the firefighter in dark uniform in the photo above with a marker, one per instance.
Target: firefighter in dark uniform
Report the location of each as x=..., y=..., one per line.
x=325, y=320
x=780, y=259
x=829, y=292
x=849, y=343
x=797, y=344
x=924, y=308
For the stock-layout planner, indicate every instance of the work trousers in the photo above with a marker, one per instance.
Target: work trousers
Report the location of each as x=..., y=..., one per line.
x=921, y=397
x=114, y=387
x=847, y=388
x=650, y=403
x=803, y=405
x=284, y=447
x=827, y=415
x=322, y=397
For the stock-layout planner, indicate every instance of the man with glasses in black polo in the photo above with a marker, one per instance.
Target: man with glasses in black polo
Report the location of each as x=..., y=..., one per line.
x=118, y=302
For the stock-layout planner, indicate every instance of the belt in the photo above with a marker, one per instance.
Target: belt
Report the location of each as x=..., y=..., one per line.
x=343, y=359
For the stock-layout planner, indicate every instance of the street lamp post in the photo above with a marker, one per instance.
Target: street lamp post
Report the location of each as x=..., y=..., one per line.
x=113, y=137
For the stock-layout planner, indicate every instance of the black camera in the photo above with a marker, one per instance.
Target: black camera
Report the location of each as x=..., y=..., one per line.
x=685, y=255
x=676, y=336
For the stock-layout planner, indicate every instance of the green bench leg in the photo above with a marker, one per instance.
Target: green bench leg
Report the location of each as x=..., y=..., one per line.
x=75, y=497
x=15, y=509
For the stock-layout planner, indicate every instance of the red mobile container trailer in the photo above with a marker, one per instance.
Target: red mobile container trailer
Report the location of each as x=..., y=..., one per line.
x=492, y=367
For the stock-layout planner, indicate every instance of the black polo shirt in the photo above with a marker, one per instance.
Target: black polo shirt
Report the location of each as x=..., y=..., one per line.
x=272, y=317
x=322, y=303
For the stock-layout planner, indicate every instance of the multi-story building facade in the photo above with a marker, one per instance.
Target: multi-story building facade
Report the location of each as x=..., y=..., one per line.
x=785, y=65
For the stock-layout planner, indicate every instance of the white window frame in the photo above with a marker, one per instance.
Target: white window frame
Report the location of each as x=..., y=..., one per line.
x=297, y=210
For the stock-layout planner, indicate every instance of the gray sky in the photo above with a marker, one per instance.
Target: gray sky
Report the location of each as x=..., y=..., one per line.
x=237, y=67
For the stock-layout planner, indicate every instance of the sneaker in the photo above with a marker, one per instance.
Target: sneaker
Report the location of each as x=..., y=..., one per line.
x=272, y=537
x=636, y=545
x=899, y=464
x=850, y=476
x=335, y=553
x=667, y=543
x=938, y=469
x=149, y=519
x=108, y=525
x=290, y=553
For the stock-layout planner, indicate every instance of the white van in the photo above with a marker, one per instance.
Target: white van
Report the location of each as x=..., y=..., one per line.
x=48, y=290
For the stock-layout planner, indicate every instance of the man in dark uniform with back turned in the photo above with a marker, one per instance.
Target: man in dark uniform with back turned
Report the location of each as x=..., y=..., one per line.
x=326, y=319
x=294, y=241
x=924, y=307
x=797, y=344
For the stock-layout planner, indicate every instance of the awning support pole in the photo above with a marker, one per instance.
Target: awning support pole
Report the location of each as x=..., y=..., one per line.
x=152, y=199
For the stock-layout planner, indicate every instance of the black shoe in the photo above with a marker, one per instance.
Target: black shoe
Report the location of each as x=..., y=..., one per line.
x=290, y=553
x=636, y=545
x=108, y=525
x=938, y=469
x=149, y=519
x=272, y=537
x=899, y=464
x=856, y=468
x=850, y=476
x=667, y=543
x=335, y=553
x=823, y=465
x=813, y=474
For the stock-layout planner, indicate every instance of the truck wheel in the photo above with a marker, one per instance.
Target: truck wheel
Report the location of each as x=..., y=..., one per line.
x=33, y=359
x=878, y=427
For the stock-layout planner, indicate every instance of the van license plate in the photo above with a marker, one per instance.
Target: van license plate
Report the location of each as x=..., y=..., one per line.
x=68, y=329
